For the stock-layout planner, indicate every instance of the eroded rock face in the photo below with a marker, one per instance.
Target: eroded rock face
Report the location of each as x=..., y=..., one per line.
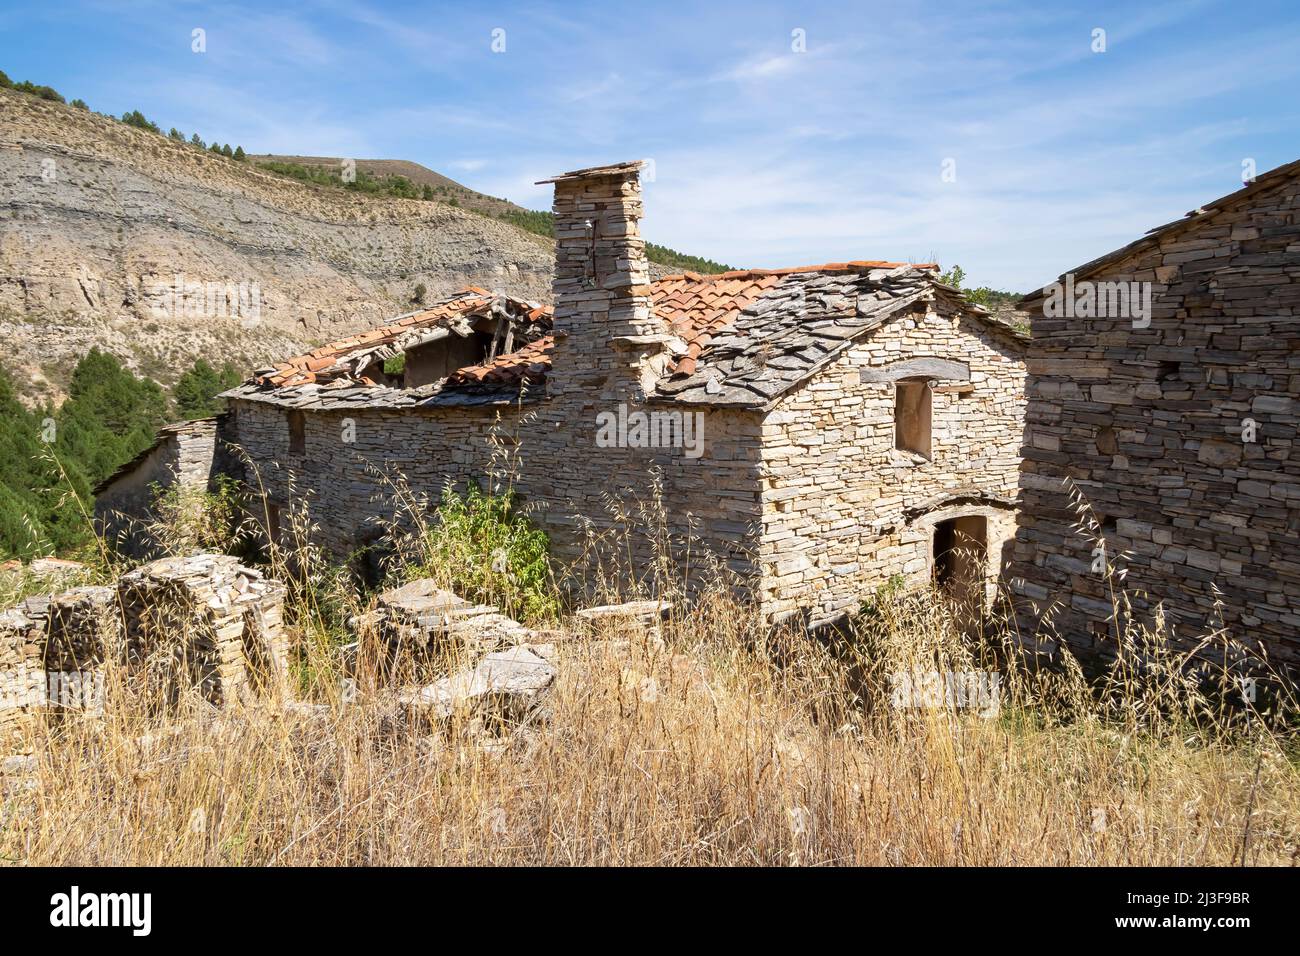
x=99, y=219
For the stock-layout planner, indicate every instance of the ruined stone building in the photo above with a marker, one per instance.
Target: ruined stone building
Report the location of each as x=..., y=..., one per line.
x=183, y=454
x=818, y=431
x=1177, y=423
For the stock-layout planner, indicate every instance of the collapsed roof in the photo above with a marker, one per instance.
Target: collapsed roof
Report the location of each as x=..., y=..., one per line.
x=516, y=321
x=749, y=336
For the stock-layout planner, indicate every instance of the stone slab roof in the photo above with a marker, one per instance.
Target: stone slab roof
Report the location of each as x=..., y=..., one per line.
x=616, y=169
x=749, y=336
x=796, y=325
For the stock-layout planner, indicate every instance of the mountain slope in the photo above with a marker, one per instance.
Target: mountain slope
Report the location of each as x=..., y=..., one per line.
x=447, y=189
x=412, y=178
x=98, y=219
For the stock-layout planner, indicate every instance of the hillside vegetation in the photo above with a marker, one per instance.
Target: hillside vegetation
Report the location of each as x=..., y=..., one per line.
x=412, y=181
x=52, y=458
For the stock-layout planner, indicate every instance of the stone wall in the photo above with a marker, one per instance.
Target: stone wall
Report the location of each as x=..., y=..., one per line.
x=186, y=454
x=600, y=505
x=200, y=621
x=580, y=493
x=843, y=510
x=22, y=678
x=1152, y=426
x=813, y=487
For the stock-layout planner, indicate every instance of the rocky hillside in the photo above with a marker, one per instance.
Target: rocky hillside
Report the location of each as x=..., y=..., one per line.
x=100, y=221
x=447, y=189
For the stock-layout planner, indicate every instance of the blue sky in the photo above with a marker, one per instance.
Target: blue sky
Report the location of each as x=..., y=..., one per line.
x=763, y=155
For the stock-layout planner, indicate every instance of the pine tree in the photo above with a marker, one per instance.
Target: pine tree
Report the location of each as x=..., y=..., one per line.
x=195, y=393
x=109, y=416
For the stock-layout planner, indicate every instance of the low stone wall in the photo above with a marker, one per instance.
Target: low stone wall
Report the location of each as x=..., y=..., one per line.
x=202, y=621
x=22, y=678
x=230, y=617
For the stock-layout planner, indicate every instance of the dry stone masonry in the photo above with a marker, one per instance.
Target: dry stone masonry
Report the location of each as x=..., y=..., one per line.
x=1180, y=430
x=757, y=415
x=230, y=616
x=22, y=678
x=221, y=622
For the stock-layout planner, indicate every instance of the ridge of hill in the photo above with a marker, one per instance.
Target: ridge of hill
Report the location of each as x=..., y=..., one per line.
x=101, y=222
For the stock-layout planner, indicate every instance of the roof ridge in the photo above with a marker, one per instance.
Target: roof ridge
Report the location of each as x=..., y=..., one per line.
x=849, y=266
x=1201, y=214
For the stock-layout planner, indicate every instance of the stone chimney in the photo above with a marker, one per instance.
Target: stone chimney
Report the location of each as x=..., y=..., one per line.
x=609, y=345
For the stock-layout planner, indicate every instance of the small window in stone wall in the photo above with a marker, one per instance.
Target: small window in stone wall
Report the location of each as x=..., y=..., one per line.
x=297, y=432
x=912, y=401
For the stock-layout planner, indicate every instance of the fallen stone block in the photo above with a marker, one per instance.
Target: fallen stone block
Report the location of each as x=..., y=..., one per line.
x=647, y=612
x=505, y=685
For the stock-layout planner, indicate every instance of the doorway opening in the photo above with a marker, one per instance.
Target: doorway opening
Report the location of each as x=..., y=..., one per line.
x=960, y=558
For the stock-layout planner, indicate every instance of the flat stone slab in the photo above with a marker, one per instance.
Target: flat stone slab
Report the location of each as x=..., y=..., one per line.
x=420, y=596
x=637, y=610
x=508, y=682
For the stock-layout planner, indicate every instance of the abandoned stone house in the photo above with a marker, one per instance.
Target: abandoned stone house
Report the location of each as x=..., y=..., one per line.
x=185, y=454
x=1177, y=423
x=818, y=431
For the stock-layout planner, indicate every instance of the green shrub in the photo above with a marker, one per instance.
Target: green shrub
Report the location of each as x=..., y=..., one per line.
x=140, y=121
x=189, y=519
x=43, y=92
x=483, y=549
x=196, y=391
x=395, y=367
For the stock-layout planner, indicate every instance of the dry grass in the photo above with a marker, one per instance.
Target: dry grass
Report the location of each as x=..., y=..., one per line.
x=712, y=742
x=705, y=747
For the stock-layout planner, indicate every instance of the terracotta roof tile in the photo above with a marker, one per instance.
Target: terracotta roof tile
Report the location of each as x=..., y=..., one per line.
x=525, y=366
x=697, y=307
x=316, y=364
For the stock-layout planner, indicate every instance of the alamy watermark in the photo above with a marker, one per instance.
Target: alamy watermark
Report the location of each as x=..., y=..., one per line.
x=655, y=429
x=66, y=690
x=1100, y=300
x=980, y=691
x=75, y=908
x=182, y=298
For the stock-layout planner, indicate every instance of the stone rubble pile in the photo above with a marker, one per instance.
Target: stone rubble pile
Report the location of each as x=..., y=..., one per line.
x=218, y=624
x=515, y=664
x=505, y=686
x=232, y=618
x=419, y=617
